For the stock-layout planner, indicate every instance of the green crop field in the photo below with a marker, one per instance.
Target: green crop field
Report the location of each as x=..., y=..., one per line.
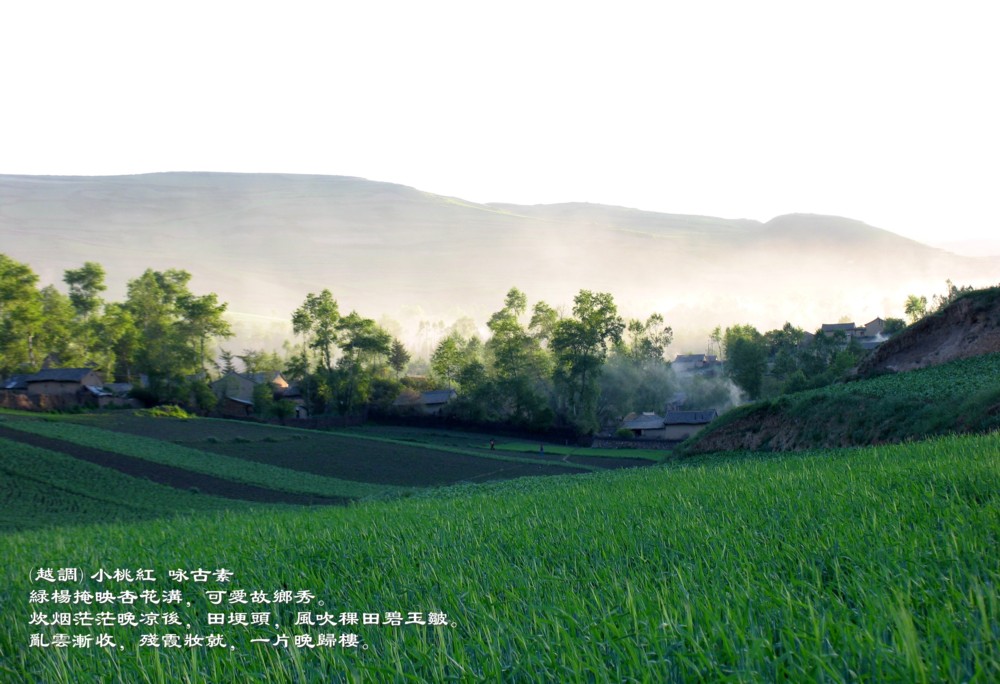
x=41, y=488
x=875, y=564
x=961, y=396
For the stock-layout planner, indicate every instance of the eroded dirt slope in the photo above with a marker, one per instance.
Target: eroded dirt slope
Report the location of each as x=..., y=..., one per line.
x=968, y=327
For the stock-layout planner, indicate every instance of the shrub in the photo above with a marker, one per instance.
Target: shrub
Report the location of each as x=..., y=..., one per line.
x=165, y=411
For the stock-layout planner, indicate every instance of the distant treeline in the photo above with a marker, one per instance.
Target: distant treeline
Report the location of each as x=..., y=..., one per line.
x=538, y=369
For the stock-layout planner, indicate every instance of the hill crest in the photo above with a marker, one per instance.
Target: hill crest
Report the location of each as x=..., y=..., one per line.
x=263, y=241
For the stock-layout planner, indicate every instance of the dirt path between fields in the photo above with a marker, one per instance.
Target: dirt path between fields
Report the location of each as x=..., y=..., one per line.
x=170, y=476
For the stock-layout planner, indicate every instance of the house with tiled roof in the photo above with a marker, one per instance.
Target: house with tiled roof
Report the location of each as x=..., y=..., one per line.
x=63, y=382
x=672, y=425
x=430, y=403
x=241, y=385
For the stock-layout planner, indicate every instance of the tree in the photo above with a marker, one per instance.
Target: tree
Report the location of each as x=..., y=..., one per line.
x=715, y=341
x=893, y=326
x=745, y=350
x=117, y=336
x=263, y=399
x=398, y=357
x=636, y=377
x=226, y=366
x=916, y=307
x=364, y=344
x=283, y=409
x=172, y=324
x=580, y=345
x=54, y=337
x=646, y=341
x=201, y=319
x=543, y=322
x=20, y=311
x=317, y=320
x=85, y=287
x=952, y=292
x=783, y=347
x=253, y=361
x=446, y=361
x=518, y=365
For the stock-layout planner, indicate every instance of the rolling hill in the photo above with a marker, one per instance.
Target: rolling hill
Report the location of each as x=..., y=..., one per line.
x=262, y=241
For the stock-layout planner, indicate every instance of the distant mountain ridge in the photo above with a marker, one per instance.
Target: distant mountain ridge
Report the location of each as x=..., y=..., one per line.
x=262, y=241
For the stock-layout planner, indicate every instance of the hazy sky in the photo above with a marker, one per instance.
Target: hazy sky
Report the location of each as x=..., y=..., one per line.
x=886, y=112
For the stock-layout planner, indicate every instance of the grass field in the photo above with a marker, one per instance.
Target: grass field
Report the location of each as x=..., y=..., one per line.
x=875, y=564
x=961, y=396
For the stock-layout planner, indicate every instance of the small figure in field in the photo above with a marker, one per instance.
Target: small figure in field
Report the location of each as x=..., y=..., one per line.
x=541, y=448
x=493, y=445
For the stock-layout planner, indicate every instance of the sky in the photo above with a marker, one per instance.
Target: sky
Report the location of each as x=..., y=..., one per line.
x=886, y=112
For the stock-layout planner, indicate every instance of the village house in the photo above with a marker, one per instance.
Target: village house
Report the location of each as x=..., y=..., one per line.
x=429, y=403
x=868, y=337
x=241, y=385
x=644, y=425
x=701, y=364
x=63, y=382
x=672, y=425
x=874, y=328
x=15, y=384
x=684, y=424
x=848, y=330
x=235, y=392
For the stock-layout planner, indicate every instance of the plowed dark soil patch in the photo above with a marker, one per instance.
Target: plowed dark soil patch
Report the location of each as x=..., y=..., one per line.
x=370, y=461
x=168, y=475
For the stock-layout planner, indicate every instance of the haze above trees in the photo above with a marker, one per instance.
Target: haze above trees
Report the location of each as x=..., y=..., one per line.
x=262, y=240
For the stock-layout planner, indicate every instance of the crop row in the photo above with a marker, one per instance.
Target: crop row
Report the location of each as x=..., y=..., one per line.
x=875, y=564
x=227, y=467
x=41, y=487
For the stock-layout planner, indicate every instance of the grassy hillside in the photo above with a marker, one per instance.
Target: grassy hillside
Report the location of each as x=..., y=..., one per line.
x=961, y=396
x=876, y=564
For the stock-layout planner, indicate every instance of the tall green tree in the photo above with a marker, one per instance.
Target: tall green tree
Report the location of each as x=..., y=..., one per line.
x=446, y=361
x=580, y=345
x=20, y=314
x=56, y=337
x=202, y=319
x=316, y=320
x=745, y=350
x=519, y=364
x=85, y=287
x=398, y=357
x=365, y=347
x=117, y=339
x=915, y=307
x=172, y=324
x=646, y=341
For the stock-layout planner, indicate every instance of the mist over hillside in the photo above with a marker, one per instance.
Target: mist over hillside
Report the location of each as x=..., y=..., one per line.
x=263, y=241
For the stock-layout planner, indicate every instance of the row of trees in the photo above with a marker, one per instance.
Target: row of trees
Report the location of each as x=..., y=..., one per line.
x=366, y=369
x=537, y=368
x=162, y=330
x=532, y=371
x=545, y=368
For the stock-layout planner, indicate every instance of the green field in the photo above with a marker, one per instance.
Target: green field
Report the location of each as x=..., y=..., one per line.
x=104, y=454
x=875, y=564
x=42, y=488
x=961, y=396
